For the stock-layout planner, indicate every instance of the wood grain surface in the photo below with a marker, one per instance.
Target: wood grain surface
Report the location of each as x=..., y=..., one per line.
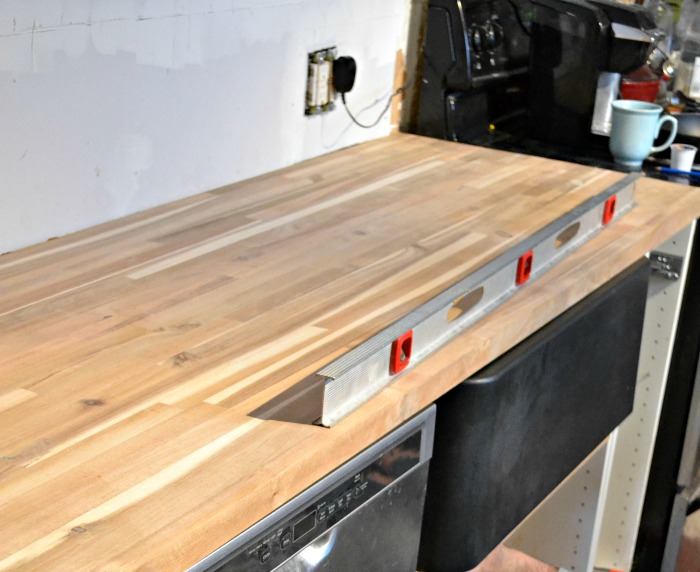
x=137, y=358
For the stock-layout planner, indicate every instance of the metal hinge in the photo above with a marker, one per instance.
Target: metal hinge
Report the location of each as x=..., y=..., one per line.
x=666, y=265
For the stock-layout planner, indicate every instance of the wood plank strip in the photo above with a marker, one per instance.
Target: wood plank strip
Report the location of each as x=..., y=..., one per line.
x=101, y=236
x=255, y=229
x=131, y=496
x=15, y=397
x=21, y=482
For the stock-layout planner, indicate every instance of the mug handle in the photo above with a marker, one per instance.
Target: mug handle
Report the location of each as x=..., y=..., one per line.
x=671, y=137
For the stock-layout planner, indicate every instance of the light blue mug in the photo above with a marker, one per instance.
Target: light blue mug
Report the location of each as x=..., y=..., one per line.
x=635, y=125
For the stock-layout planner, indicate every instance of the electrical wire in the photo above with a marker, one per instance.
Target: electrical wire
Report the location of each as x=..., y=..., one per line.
x=399, y=91
x=519, y=17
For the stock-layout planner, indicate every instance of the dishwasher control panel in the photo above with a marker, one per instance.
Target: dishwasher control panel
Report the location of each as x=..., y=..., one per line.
x=279, y=542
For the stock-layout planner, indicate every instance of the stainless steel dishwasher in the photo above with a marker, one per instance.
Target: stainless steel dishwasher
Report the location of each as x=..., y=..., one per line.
x=365, y=515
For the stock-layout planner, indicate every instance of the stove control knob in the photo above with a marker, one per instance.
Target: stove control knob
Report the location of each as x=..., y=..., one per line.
x=477, y=40
x=499, y=33
x=490, y=36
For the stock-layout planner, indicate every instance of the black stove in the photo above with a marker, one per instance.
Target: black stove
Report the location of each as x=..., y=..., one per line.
x=492, y=75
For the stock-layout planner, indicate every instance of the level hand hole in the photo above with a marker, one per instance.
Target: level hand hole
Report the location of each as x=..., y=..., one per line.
x=465, y=303
x=567, y=234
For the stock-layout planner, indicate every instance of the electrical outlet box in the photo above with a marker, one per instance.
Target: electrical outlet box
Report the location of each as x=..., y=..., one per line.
x=320, y=94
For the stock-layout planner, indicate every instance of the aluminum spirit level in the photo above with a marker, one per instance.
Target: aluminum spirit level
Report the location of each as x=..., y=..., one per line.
x=362, y=372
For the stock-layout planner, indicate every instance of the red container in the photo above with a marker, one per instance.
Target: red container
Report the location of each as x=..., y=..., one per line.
x=640, y=90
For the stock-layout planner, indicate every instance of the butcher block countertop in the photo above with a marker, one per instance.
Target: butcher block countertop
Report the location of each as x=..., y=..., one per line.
x=139, y=359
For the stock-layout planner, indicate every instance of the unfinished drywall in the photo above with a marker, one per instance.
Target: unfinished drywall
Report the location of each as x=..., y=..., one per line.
x=109, y=107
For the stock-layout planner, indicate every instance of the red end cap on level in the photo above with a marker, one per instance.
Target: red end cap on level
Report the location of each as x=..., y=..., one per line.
x=522, y=274
x=609, y=209
x=401, y=352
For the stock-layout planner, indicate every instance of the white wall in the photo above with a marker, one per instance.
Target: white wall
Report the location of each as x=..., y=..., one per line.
x=108, y=107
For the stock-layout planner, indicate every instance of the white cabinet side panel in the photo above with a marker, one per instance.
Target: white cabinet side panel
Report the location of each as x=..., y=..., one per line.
x=563, y=529
x=637, y=434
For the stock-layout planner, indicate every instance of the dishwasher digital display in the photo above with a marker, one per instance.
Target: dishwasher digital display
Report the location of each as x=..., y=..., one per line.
x=306, y=524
